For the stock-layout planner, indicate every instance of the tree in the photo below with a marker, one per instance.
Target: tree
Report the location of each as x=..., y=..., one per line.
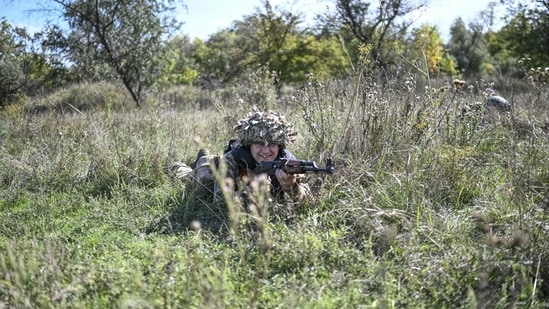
x=269, y=39
x=266, y=36
x=12, y=49
x=324, y=57
x=468, y=47
x=428, y=48
x=503, y=61
x=24, y=69
x=375, y=25
x=221, y=59
x=527, y=31
x=127, y=37
x=272, y=37
x=180, y=66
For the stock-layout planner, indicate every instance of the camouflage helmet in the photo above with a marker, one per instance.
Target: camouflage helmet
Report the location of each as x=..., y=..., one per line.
x=264, y=128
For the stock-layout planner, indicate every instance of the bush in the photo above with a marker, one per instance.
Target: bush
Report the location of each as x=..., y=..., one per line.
x=11, y=79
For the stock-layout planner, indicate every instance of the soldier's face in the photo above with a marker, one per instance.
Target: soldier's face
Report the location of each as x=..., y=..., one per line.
x=262, y=152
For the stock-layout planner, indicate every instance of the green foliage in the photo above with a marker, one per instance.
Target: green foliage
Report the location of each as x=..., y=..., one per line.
x=448, y=64
x=179, y=64
x=428, y=51
x=504, y=63
x=468, y=46
x=269, y=38
x=221, y=59
x=374, y=26
x=11, y=79
x=96, y=47
x=451, y=216
x=436, y=202
x=22, y=70
x=526, y=33
x=128, y=39
x=322, y=57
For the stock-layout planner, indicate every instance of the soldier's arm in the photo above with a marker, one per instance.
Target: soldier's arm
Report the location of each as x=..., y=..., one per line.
x=299, y=192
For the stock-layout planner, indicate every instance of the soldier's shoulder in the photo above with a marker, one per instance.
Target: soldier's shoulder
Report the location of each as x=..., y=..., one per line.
x=229, y=156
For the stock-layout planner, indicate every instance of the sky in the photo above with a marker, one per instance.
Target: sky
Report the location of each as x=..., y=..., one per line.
x=205, y=17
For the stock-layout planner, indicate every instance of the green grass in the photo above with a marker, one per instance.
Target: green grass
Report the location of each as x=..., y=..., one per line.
x=428, y=208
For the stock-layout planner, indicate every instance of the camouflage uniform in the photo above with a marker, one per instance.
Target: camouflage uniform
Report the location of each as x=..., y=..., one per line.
x=238, y=162
x=259, y=128
x=239, y=171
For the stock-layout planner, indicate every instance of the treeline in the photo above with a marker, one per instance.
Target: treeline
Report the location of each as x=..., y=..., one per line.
x=138, y=45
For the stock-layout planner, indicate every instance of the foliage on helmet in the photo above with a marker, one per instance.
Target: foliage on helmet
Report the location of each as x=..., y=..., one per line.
x=264, y=128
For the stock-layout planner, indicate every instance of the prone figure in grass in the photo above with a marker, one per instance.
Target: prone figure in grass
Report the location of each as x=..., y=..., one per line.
x=497, y=102
x=261, y=137
x=258, y=154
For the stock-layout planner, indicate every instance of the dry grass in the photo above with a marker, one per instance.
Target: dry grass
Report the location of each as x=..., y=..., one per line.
x=434, y=203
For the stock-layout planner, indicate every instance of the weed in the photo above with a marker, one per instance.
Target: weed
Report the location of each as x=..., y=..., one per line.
x=432, y=204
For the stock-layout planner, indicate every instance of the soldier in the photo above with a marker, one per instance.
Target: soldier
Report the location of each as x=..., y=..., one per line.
x=261, y=136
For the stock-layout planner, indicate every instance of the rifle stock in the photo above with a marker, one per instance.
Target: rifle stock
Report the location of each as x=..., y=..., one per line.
x=293, y=167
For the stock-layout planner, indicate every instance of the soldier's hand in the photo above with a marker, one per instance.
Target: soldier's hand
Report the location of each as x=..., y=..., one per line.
x=287, y=181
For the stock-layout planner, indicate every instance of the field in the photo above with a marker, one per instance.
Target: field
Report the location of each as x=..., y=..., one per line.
x=436, y=202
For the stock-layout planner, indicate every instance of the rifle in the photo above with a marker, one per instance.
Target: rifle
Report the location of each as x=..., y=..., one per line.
x=293, y=167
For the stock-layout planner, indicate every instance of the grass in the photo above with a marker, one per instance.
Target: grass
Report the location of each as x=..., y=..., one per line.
x=433, y=204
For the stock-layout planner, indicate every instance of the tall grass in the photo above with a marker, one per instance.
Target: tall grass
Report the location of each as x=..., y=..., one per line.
x=434, y=203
